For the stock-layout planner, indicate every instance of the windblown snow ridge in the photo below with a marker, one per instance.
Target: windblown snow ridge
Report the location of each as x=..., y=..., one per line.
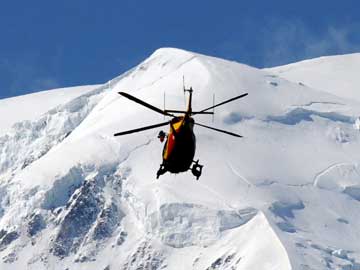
x=30, y=140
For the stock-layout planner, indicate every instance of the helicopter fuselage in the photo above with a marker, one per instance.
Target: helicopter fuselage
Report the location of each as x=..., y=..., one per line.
x=179, y=149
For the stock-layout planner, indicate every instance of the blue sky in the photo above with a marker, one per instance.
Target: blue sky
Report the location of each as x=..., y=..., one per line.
x=49, y=44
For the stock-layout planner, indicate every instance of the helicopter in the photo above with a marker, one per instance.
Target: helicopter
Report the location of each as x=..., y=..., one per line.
x=179, y=148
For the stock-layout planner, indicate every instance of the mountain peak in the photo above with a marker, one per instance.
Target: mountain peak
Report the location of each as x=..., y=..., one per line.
x=169, y=51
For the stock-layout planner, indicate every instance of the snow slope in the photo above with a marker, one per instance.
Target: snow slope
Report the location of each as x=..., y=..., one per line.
x=338, y=74
x=286, y=196
x=31, y=106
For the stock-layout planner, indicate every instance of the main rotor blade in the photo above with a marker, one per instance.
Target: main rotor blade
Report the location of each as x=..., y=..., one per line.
x=177, y=111
x=222, y=103
x=141, y=129
x=220, y=130
x=151, y=107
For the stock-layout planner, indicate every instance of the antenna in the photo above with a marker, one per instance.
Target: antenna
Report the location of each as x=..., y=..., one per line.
x=213, y=107
x=190, y=90
x=164, y=104
x=184, y=90
x=184, y=83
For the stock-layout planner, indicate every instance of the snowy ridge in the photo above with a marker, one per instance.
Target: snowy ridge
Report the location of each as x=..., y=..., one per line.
x=334, y=74
x=286, y=196
x=29, y=140
x=34, y=105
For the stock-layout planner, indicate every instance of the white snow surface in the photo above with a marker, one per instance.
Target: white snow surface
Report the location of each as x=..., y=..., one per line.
x=286, y=196
x=31, y=106
x=337, y=74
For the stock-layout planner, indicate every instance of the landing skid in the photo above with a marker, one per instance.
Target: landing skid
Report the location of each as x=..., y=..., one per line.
x=196, y=170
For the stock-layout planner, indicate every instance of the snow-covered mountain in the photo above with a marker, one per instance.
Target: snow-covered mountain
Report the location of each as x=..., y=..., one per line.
x=286, y=196
x=337, y=74
x=32, y=106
